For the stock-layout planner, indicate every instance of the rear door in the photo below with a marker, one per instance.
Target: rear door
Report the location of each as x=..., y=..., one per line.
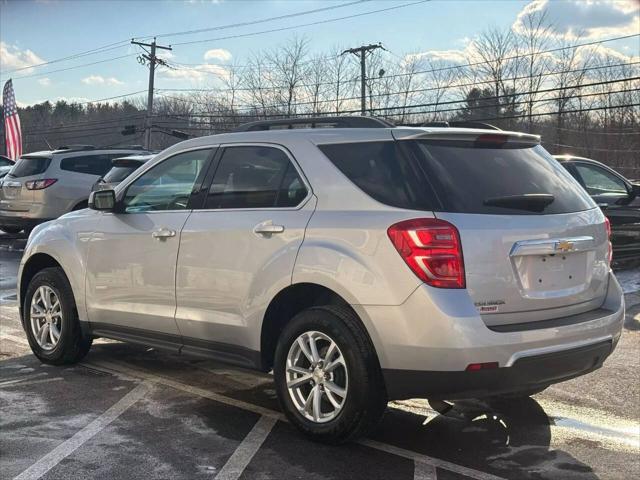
x=534, y=244
x=239, y=249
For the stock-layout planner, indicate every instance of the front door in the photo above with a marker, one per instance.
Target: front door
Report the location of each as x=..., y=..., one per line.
x=131, y=262
x=239, y=250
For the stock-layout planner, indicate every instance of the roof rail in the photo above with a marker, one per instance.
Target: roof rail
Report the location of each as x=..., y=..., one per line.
x=76, y=147
x=316, y=122
x=462, y=124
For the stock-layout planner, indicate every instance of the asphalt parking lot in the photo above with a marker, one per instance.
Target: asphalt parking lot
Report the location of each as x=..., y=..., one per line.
x=130, y=412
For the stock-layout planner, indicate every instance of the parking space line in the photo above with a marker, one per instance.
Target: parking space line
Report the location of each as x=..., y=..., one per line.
x=23, y=379
x=69, y=446
x=246, y=450
x=118, y=367
x=435, y=462
x=34, y=382
x=424, y=471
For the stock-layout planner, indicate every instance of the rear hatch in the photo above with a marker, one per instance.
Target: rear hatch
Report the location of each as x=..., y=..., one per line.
x=535, y=245
x=14, y=196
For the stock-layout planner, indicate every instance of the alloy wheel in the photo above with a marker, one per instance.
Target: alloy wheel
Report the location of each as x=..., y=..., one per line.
x=46, y=317
x=317, y=377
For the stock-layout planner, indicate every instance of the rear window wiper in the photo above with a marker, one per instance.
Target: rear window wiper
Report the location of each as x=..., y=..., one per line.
x=534, y=202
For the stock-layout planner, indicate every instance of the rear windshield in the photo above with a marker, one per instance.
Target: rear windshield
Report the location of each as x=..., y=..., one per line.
x=27, y=166
x=458, y=177
x=117, y=174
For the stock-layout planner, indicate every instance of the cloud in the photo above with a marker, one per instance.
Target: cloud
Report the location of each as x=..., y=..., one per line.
x=45, y=82
x=450, y=56
x=218, y=54
x=12, y=57
x=593, y=19
x=100, y=80
x=197, y=73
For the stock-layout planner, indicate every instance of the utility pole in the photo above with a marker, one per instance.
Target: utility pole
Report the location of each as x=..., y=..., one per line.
x=361, y=52
x=150, y=57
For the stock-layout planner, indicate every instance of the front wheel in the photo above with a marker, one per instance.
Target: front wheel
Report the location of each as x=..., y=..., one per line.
x=51, y=319
x=327, y=375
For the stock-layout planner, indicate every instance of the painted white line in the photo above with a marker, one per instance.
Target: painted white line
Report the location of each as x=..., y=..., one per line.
x=34, y=382
x=200, y=392
x=435, y=462
x=69, y=446
x=23, y=379
x=424, y=471
x=118, y=367
x=247, y=449
x=14, y=338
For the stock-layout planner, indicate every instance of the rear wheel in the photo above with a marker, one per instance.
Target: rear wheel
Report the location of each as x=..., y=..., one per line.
x=327, y=375
x=51, y=319
x=10, y=230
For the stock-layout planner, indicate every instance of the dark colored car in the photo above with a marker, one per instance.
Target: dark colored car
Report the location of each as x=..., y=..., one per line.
x=121, y=168
x=5, y=165
x=619, y=199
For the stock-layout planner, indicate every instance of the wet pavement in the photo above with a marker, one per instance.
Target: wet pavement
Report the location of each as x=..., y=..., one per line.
x=128, y=412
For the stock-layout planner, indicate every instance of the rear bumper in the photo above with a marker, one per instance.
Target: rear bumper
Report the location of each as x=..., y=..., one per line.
x=425, y=345
x=526, y=373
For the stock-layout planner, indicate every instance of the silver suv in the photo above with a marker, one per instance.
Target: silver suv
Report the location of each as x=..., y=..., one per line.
x=42, y=186
x=361, y=265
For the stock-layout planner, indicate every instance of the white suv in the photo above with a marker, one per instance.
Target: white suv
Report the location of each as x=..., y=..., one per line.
x=360, y=264
x=42, y=186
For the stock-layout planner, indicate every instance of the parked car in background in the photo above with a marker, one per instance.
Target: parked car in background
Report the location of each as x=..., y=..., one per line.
x=5, y=165
x=361, y=265
x=43, y=185
x=121, y=168
x=619, y=199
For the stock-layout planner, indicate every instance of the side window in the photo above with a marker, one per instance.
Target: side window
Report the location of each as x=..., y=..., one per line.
x=599, y=181
x=168, y=185
x=89, y=164
x=255, y=177
x=5, y=163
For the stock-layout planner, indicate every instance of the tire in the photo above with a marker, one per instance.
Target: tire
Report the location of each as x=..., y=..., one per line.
x=10, y=230
x=365, y=399
x=71, y=346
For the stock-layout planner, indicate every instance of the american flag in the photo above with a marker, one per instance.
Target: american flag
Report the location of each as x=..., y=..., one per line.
x=12, y=131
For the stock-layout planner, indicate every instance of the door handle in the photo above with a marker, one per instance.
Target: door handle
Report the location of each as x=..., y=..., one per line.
x=268, y=229
x=163, y=233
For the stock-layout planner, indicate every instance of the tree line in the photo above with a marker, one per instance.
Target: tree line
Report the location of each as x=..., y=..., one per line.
x=583, y=100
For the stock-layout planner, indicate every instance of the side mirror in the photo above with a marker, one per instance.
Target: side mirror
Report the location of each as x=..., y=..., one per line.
x=635, y=190
x=103, y=200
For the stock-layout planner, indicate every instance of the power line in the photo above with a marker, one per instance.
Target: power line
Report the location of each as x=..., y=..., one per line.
x=42, y=74
x=104, y=48
x=255, y=22
x=291, y=27
x=387, y=94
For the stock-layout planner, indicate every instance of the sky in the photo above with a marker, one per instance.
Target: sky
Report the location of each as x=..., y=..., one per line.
x=38, y=31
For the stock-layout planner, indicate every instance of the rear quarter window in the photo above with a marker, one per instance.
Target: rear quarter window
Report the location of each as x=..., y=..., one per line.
x=456, y=177
x=87, y=164
x=29, y=166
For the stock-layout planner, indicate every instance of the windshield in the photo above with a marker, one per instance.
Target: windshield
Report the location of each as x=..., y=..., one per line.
x=117, y=174
x=28, y=166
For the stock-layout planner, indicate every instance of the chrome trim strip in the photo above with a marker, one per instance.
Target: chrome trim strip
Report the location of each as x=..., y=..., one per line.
x=555, y=348
x=552, y=246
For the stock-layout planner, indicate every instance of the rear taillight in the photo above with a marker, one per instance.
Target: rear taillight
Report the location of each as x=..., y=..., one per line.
x=607, y=225
x=40, y=184
x=432, y=250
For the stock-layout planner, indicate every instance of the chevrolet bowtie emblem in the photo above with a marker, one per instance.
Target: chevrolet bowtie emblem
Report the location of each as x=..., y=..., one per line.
x=564, y=246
